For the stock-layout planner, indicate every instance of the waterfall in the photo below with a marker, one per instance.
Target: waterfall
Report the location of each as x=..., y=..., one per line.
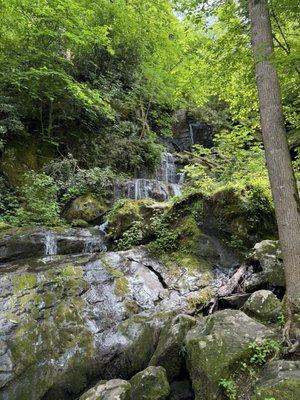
x=191, y=134
x=167, y=171
x=50, y=243
x=181, y=178
x=175, y=189
x=166, y=183
x=103, y=227
x=91, y=244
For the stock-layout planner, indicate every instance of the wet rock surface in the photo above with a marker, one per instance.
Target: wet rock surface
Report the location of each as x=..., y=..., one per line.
x=165, y=183
x=22, y=243
x=66, y=320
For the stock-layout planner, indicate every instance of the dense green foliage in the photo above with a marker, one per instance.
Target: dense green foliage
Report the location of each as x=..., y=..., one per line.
x=99, y=82
x=89, y=72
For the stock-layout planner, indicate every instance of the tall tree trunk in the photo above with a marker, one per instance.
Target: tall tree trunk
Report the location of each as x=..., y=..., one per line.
x=283, y=184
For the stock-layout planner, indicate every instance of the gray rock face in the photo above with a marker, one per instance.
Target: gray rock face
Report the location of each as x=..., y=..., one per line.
x=268, y=254
x=279, y=380
x=216, y=344
x=150, y=384
x=263, y=305
x=115, y=389
x=38, y=242
x=67, y=320
x=169, y=351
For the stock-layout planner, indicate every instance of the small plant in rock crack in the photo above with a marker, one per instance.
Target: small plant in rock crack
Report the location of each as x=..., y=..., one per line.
x=281, y=319
x=262, y=352
x=229, y=388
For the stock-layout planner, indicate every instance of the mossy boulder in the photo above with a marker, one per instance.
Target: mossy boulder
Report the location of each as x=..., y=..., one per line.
x=150, y=384
x=280, y=380
x=264, y=306
x=45, y=315
x=130, y=222
x=85, y=208
x=217, y=345
x=243, y=216
x=109, y=390
x=143, y=337
x=169, y=351
x=237, y=217
x=268, y=255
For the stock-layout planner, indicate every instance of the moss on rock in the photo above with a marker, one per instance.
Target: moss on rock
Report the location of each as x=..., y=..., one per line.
x=150, y=384
x=115, y=389
x=50, y=331
x=130, y=222
x=85, y=208
x=279, y=380
x=169, y=351
x=216, y=345
x=264, y=306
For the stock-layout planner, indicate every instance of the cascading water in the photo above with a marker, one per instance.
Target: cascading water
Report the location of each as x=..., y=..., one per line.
x=91, y=245
x=166, y=183
x=50, y=243
x=191, y=131
x=167, y=172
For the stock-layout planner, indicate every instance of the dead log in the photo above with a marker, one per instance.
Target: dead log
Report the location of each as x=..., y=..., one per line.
x=229, y=287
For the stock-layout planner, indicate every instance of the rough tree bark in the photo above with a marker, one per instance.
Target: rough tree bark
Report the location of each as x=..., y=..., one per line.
x=283, y=184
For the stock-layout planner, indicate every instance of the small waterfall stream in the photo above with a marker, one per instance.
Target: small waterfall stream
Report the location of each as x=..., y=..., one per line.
x=50, y=243
x=166, y=183
x=191, y=131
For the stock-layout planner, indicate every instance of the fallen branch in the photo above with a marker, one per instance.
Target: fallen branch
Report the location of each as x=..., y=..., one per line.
x=229, y=287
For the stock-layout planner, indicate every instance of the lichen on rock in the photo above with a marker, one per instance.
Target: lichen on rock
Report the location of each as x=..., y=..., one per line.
x=150, y=384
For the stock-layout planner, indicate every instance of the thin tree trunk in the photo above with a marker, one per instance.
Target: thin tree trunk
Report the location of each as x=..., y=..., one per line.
x=283, y=184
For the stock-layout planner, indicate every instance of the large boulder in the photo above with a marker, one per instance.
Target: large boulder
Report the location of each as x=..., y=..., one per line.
x=66, y=321
x=150, y=384
x=279, y=380
x=21, y=243
x=109, y=390
x=130, y=222
x=169, y=351
x=267, y=255
x=264, y=306
x=215, y=346
x=85, y=208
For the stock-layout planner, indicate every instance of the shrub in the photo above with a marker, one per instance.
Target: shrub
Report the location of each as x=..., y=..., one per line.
x=39, y=201
x=73, y=181
x=132, y=237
